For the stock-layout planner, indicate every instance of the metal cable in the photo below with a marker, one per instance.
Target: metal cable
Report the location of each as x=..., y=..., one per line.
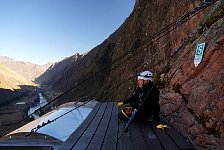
x=167, y=29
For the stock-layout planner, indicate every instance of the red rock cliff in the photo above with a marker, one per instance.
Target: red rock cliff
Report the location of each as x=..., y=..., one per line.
x=191, y=97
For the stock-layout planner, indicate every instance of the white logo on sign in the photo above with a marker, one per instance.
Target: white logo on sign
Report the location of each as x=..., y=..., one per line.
x=199, y=54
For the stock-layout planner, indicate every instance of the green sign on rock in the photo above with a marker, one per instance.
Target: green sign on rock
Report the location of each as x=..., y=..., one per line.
x=199, y=54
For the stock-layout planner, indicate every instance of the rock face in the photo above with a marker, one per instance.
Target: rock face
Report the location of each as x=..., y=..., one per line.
x=191, y=97
x=53, y=72
x=196, y=101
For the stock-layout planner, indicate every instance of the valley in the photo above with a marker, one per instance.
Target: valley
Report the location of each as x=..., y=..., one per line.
x=16, y=105
x=191, y=97
x=17, y=92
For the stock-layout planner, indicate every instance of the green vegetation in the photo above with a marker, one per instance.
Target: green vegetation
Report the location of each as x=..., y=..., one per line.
x=212, y=19
x=161, y=82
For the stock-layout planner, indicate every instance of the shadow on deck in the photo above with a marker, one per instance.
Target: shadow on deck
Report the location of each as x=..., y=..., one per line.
x=101, y=129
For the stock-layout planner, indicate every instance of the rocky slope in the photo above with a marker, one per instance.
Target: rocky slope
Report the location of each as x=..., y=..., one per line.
x=191, y=97
x=193, y=102
x=28, y=70
x=9, y=79
x=13, y=87
x=53, y=72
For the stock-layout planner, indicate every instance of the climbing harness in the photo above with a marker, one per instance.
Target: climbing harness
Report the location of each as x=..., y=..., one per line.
x=127, y=111
x=159, y=34
x=134, y=113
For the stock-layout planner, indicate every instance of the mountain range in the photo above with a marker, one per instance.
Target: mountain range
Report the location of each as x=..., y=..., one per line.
x=9, y=79
x=29, y=70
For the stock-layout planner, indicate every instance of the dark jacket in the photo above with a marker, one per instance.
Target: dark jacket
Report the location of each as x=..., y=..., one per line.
x=146, y=101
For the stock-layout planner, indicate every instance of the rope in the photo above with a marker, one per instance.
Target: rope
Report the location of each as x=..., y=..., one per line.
x=134, y=113
x=187, y=41
x=159, y=34
x=104, y=92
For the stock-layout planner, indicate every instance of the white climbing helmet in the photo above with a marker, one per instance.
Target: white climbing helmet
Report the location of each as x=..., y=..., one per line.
x=145, y=75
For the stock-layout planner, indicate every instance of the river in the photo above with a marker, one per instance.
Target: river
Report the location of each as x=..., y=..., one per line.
x=41, y=103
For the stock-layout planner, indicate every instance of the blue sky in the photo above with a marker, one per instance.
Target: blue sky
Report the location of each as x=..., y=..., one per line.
x=42, y=31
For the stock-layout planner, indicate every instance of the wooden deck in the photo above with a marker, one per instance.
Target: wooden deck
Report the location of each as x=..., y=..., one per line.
x=102, y=129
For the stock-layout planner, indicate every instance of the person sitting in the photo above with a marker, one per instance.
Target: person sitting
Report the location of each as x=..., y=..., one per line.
x=145, y=100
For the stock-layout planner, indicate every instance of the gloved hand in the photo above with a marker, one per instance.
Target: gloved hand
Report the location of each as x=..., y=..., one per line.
x=161, y=126
x=119, y=104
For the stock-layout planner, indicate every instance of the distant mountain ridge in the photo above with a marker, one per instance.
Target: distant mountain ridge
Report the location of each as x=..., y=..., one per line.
x=29, y=70
x=9, y=79
x=52, y=74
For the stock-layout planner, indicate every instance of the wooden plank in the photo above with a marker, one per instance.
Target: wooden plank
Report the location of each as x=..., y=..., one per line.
x=101, y=130
x=124, y=138
x=137, y=137
x=110, y=141
x=85, y=139
x=26, y=148
x=98, y=137
x=164, y=139
x=180, y=141
x=70, y=142
x=150, y=136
